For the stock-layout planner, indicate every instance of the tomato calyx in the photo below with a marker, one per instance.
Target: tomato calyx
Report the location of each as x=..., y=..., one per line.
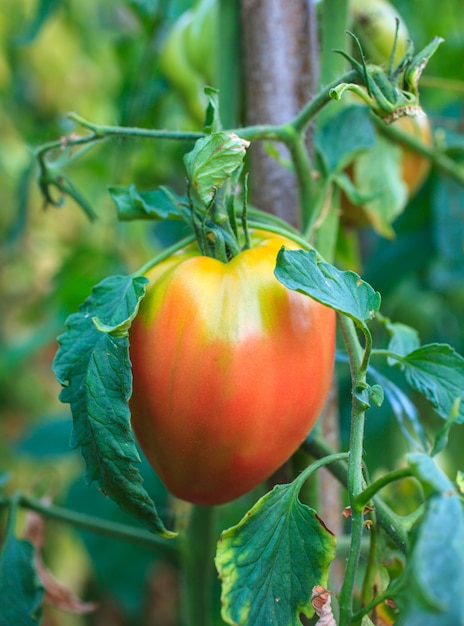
x=390, y=92
x=214, y=168
x=216, y=207
x=216, y=225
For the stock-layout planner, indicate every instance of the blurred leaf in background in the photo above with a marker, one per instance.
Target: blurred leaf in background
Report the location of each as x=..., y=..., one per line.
x=100, y=59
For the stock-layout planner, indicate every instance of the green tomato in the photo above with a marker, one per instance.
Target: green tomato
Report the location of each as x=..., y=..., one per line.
x=188, y=56
x=230, y=370
x=374, y=22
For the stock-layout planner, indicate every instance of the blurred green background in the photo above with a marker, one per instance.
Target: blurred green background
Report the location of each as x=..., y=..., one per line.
x=100, y=58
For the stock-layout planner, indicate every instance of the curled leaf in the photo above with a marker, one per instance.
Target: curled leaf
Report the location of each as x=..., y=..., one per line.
x=320, y=599
x=212, y=161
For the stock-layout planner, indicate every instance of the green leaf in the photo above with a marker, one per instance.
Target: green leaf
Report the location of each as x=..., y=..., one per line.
x=94, y=369
x=433, y=480
x=212, y=122
x=433, y=580
x=403, y=339
x=146, y=8
x=160, y=204
x=212, y=161
x=460, y=481
x=21, y=592
x=4, y=478
x=47, y=438
x=344, y=136
x=362, y=394
x=343, y=291
x=437, y=371
x=382, y=185
x=448, y=234
x=272, y=559
x=376, y=395
x=44, y=11
x=442, y=436
x=403, y=409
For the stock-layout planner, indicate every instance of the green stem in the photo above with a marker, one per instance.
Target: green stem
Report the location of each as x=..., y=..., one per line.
x=355, y=467
x=278, y=230
x=352, y=344
x=319, y=204
x=336, y=457
x=367, y=354
x=388, y=593
x=103, y=130
x=269, y=132
x=264, y=219
x=366, y=496
x=303, y=170
x=441, y=161
x=371, y=566
x=334, y=37
x=14, y=504
x=391, y=523
x=92, y=524
x=198, y=559
x=318, y=448
x=166, y=253
x=228, y=71
x=64, y=143
x=320, y=100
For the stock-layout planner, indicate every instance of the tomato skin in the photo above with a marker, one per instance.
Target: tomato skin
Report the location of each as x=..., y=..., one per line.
x=374, y=22
x=230, y=370
x=414, y=166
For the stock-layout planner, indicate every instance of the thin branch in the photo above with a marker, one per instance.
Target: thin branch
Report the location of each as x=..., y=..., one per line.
x=94, y=524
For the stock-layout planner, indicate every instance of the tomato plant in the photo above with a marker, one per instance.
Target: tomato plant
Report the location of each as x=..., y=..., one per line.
x=231, y=370
x=204, y=362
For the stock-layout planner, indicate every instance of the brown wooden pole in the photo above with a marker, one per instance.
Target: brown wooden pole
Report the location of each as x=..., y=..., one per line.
x=281, y=73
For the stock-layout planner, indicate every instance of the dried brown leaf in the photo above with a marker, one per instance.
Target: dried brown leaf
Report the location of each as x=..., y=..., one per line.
x=56, y=593
x=320, y=599
x=348, y=514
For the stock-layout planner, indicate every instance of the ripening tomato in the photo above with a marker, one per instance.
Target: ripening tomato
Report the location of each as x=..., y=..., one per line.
x=414, y=166
x=230, y=370
x=367, y=174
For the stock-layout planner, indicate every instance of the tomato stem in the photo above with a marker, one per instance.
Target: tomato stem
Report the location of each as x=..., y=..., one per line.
x=303, y=169
x=14, y=503
x=358, y=361
x=199, y=547
x=166, y=253
x=326, y=460
x=390, y=592
x=102, y=131
x=369, y=492
x=394, y=526
x=246, y=232
x=441, y=161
